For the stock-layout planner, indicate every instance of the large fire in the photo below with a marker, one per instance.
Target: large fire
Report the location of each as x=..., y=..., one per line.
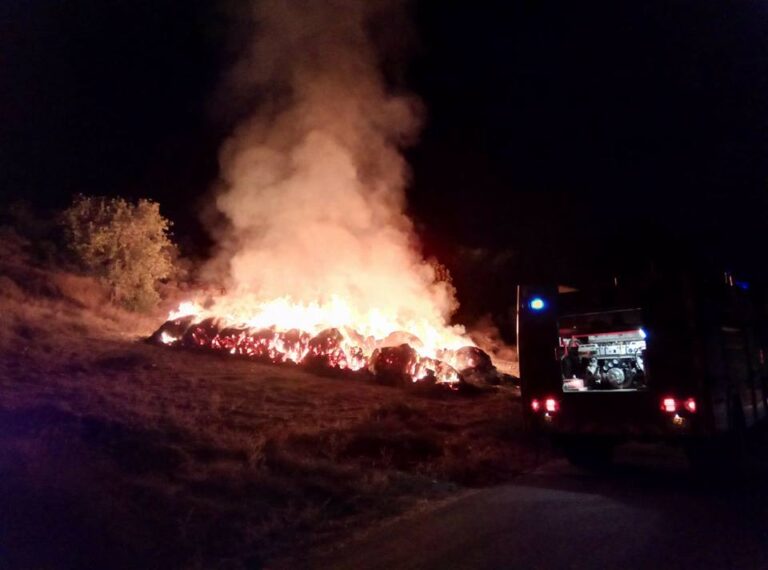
x=331, y=335
x=313, y=245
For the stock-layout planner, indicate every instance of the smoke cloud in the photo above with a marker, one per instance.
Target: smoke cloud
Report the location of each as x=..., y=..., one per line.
x=313, y=182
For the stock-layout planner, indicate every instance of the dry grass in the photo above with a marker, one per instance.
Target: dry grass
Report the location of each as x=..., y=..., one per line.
x=117, y=454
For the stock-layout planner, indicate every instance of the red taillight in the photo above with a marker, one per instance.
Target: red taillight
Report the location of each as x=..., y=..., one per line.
x=548, y=405
x=669, y=405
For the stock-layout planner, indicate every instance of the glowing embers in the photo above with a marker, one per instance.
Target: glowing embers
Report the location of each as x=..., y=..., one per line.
x=393, y=360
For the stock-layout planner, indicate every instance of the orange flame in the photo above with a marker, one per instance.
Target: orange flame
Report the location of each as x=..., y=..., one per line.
x=291, y=326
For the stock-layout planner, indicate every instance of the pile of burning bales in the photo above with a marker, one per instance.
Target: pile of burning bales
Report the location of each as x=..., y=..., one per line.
x=393, y=361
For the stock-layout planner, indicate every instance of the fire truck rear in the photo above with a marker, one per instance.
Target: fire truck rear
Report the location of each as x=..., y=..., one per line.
x=680, y=361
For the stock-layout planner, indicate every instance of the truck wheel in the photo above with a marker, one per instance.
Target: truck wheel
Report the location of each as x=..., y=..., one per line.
x=592, y=455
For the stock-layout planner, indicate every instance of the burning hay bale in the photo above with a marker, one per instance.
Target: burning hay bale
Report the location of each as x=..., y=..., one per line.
x=325, y=350
x=472, y=358
x=394, y=365
x=201, y=334
x=258, y=344
x=477, y=368
x=389, y=364
x=294, y=344
x=399, y=338
x=172, y=330
x=232, y=340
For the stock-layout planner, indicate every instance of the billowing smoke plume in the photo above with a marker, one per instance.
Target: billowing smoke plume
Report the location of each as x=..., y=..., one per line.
x=313, y=182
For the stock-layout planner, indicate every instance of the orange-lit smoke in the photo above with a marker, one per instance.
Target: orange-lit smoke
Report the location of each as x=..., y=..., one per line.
x=312, y=184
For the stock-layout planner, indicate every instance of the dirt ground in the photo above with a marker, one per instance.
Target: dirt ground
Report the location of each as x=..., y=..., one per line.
x=119, y=454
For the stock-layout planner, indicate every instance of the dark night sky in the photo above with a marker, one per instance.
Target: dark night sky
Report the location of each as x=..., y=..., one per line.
x=574, y=132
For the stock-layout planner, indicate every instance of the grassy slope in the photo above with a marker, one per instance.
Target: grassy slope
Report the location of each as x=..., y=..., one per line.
x=114, y=453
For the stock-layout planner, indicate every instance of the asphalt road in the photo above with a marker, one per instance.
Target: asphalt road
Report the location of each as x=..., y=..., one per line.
x=649, y=511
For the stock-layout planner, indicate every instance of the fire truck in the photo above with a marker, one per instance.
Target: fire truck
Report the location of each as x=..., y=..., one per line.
x=679, y=360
